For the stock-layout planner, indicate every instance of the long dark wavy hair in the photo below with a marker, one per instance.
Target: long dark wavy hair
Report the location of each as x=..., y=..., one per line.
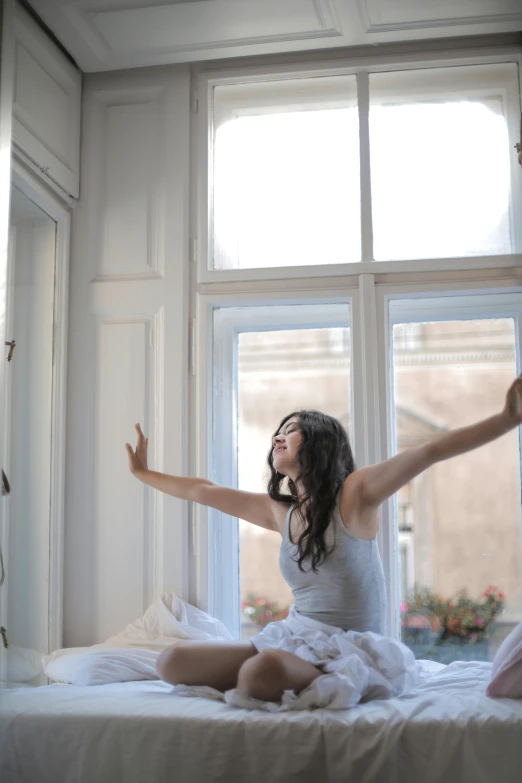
x=325, y=460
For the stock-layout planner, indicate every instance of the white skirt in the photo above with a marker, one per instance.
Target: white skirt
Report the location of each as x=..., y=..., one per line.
x=357, y=666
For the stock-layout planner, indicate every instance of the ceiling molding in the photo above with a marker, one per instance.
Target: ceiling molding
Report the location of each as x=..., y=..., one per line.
x=371, y=25
x=120, y=34
x=100, y=26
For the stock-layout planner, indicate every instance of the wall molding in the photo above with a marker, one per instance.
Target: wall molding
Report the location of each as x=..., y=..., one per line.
x=148, y=101
x=372, y=26
x=152, y=516
x=86, y=24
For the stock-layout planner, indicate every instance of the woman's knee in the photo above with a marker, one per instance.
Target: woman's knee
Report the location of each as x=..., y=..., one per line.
x=266, y=666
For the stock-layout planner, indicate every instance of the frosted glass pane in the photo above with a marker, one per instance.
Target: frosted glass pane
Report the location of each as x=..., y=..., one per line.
x=279, y=372
x=459, y=521
x=440, y=163
x=286, y=189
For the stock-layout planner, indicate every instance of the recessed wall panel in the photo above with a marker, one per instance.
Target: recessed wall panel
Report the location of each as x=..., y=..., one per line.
x=128, y=202
x=122, y=520
x=382, y=16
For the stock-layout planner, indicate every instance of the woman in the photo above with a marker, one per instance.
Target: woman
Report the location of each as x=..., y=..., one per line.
x=329, y=554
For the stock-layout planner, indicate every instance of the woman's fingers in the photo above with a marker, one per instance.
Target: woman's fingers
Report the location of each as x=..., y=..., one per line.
x=138, y=456
x=141, y=437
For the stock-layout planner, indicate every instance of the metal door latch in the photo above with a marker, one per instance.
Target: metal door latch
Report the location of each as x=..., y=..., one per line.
x=12, y=346
x=4, y=636
x=6, y=487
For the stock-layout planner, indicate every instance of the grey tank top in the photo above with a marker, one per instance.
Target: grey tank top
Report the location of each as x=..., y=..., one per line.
x=348, y=588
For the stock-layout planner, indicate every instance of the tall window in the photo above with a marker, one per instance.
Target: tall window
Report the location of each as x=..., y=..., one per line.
x=329, y=169
x=279, y=372
x=440, y=162
x=394, y=187
x=462, y=516
x=272, y=361
x=286, y=173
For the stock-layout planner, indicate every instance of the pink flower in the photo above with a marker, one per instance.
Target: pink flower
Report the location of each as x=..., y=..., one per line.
x=480, y=621
x=404, y=607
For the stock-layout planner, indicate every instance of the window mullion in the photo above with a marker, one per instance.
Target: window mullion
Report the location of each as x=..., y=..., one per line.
x=371, y=402
x=363, y=103
x=368, y=370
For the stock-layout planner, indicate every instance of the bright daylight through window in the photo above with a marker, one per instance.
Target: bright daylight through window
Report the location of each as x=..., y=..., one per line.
x=440, y=162
x=392, y=166
x=286, y=174
x=279, y=372
x=459, y=521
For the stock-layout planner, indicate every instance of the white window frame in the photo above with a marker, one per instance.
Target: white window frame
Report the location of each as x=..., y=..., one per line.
x=412, y=304
x=216, y=534
x=370, y=286
x=362, y=68
x=372, y=383
x=405, y=542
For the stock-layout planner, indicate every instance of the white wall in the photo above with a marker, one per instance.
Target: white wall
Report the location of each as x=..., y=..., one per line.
x=127, y=356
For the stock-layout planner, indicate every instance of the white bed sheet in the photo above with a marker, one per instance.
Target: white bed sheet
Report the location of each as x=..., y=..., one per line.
x=140, y=732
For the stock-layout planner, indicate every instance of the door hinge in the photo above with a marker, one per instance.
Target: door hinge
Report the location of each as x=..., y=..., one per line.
x=195, y=102
x=194, y=250
x=12, y=346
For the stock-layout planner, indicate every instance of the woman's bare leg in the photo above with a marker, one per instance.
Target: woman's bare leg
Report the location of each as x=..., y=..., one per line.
x=272, y=672
x=216, y=664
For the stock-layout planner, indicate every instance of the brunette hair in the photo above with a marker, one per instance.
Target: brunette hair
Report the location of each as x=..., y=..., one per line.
x=325, y=460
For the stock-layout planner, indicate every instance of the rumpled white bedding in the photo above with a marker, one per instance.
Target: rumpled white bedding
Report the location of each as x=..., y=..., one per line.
x=357, y=666
x=132, y=654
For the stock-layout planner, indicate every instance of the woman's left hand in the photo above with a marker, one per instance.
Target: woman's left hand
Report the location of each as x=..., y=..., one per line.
x=513, y=407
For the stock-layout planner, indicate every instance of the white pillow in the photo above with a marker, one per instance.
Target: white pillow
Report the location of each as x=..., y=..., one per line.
x=99, y=666
x=132, y=653
x=506, y=674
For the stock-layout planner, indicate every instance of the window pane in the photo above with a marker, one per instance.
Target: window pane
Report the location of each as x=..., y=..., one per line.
x=440, y=161
x=279, y=372
x=286, y=174
x=459, y=522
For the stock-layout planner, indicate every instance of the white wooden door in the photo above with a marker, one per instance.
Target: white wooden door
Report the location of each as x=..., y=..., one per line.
x=28, y=436
x=6, y=100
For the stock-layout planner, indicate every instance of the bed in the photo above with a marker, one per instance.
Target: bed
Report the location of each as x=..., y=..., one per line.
x=140, y=732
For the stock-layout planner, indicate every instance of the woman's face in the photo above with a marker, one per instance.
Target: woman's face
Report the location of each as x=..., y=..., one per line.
x=285, y=446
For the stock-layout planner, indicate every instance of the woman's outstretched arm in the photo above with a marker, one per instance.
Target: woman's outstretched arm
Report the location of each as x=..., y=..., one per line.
x=379, y=482
x=250, y=506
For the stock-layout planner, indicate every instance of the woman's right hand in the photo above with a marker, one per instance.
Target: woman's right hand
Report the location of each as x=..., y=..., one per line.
x=138, y=457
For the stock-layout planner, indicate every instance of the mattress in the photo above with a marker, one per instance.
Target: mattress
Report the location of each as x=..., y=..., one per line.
x=140, y=732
